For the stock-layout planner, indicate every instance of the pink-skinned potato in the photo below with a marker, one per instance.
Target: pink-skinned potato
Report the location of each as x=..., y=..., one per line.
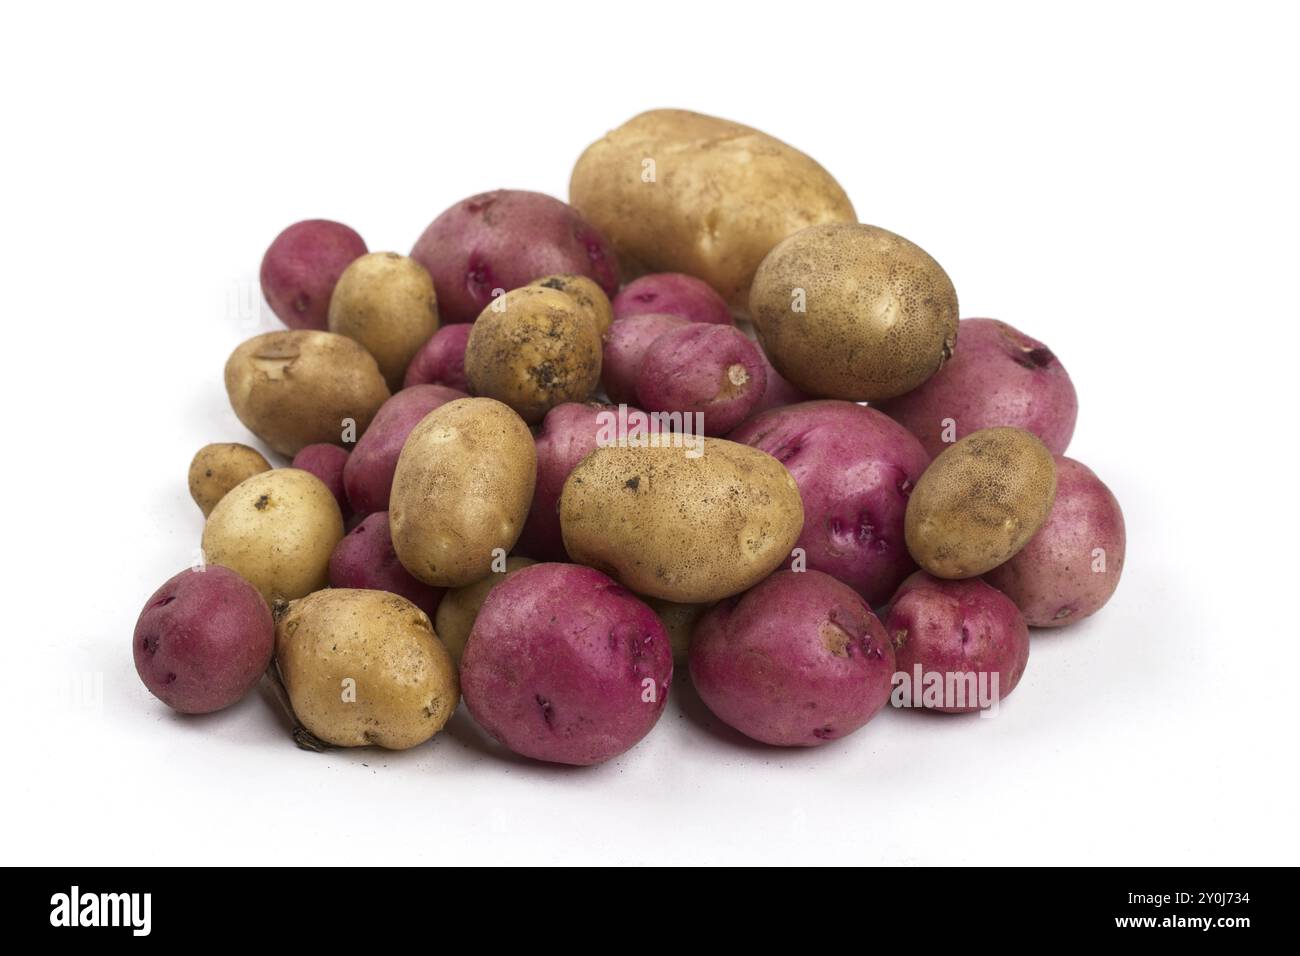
x=302, y=266
x=964, y=630
x=779, y=391
x=565, y=665
x=626, y=344
x=203, y=640
x=796, y=661
x=855, y=469
x=997, y=375
x=327, y=462
x=442, y=359
x=713, y=371
x=672, y=293
x=1072, y=565
x=503, y=240
x=368, y=476
x=366, y=560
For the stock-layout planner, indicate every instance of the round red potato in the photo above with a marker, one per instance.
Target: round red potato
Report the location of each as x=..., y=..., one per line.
x=302, y=266
x=700, y=369
x=365, y=559
x=672, y=293
x=326, y=462
x=442, y=359
x=796, y=661
x=565, y=665
x=1071, y=566
x=626, y=344
x=503, y=240
x=964, y=630
x=203, y=640
x=855, y=469
x=996, y=376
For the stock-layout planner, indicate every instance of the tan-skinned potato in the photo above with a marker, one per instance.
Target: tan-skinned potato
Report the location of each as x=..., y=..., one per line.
x=365, y=667
x=586, y=292
x=461, y=491
x=217, y=468
x=386, y=302
x=677, y=191
x=297, y=388
x=459, y=607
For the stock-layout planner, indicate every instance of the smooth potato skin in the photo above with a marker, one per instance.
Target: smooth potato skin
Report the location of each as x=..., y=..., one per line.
x=534, y=349
x=405, y=682
x=855, y=469
x=365, y=560
x=997, y=376
x=779, y=392
x=797, y=661
x=462, y=488
x=203, y=640
x=277, y=530
x=713, y=371
x=672, y=293
x=302, y=266
x=564, y=665
x=980, y=502
x=327, y=462
x=386, y=302
x=626, y=344
x=685, y=529
x=442, y=359
x=503, y=240
x=293, y=389
x=958, y=627
x=587, y=293
x=460, y=607
x=880, y=315
x=1058, y=578
x=679, y=621
x=217, y=468
x=722, y=196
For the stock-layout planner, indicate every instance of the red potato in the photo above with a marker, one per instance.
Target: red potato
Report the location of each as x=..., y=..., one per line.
x=626, y=343
x=796, y=661
x=779, y=391
x=1072, y=565
x=302, y=266
x=327, y=462
x=368, y=475
x=967, y=633
x=565, y=665
x=503, y=240
x=442, y=359
x=203, y=640
x=996, y=376
x=703, y=369
x=855, y=469
x=365, y=559
x=672, y=293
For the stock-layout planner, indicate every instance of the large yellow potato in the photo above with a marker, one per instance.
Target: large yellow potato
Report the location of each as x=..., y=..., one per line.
x=676, y=191
x=462, y=490
x=365, y=667
x=679, y=526
x=298, y=388
x=386, y=302
x=277, y=529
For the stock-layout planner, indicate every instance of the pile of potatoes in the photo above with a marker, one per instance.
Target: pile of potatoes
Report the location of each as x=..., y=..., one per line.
x=699, y=417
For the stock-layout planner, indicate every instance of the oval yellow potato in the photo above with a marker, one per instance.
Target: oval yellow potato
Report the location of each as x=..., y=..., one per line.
x=676, y=191
x=365, y=667
x=217, y=468
x=586, y=292
x=680, y=525
x=277, y=529
x=980, y=502
x=462, y=490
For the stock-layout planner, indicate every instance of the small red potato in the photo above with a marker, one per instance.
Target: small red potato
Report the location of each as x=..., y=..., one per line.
x=366, y=560
x=302, y=266
x=326, y=462
x=442, y=359
x=672, y=293
x=203, y=640
x=1071, y=566
x=795, y=662
x=779, y=391
x=626, y=344
x=704, y=369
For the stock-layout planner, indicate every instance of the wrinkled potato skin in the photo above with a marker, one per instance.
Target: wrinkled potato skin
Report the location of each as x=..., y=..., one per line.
x=386, y=302
x=462, y=488
x=406, y=684
x=459, y=608
x=217, y=468
x=683, y=529
x=979, y=502
x=586, y=292
x=277, y=529
x=880, y=314
x=533, y=349
x=293, y=389
x=723, y=195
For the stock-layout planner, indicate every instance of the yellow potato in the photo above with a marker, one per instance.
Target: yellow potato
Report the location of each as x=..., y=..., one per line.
x=217, y=468
x=676, y=191
x=679, y=621
x=459, y=607
x=685, y=527
x=462, y=490
x=586, y=292
x=386, y=302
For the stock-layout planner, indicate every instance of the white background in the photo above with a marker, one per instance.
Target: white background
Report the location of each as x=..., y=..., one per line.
x=1119, y=182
